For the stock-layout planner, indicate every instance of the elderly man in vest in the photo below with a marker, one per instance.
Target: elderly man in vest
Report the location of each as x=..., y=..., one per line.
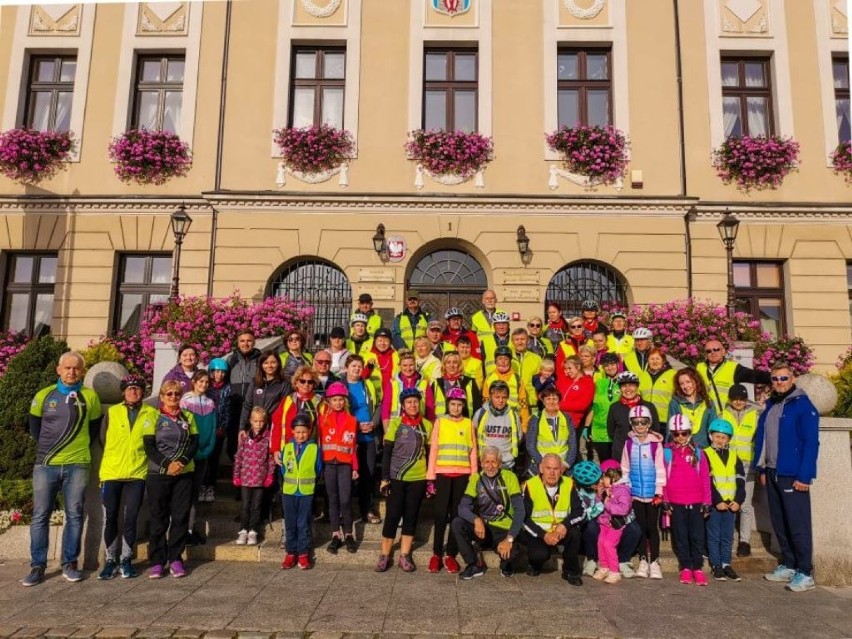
x=491, y=513
x=786, y=449
x=481, y=322
x=553, y=515
x=62, y=419
x=720, y=373
x=410, y=324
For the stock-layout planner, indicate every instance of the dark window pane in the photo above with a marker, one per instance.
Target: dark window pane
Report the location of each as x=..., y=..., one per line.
x=23, y=269
x=151, y=70
x=465, y=111
x=43, y=313
x=134, y=269
x=306, y=65
x=45, y=71
x=40, y=119
x=435, y=110
x=742, y=275
x=598, y=107
x=69, y=68
x=436, y=66
x=596, y=67
x=465, y=67
x=334, y=65
x=161, y=269
x=47, y=270
x=840, y=68
x=130, y=310
x=568, y=101
x=730, y=71
x=16, y=311
x=566, y=66
x=755, y=74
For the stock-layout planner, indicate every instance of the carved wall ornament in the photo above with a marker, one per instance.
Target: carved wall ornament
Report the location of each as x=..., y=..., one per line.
x=321, y=12
x=162, y=17
x=580, y=180
x=55, y=19
x=839, y=18
x=447, y=179
x=451, y=8
x=744, y=13
x=312, y=178
x=587, y=13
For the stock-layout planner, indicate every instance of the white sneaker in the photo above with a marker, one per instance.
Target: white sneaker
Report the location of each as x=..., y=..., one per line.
x=656, y=570
x=626, y=570
x=612, y=578
x=600, y=574
x=202, y=495
x=211, y=494
x=644, y=569
x=589, y=567
x=252, y=539
x=241, y=537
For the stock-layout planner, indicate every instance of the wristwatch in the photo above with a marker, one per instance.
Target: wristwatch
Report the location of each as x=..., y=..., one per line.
x=510, y=539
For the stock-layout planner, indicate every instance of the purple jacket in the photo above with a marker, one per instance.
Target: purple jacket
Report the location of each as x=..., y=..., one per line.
x=619, y=502
x=177, y=374
x=253, y=463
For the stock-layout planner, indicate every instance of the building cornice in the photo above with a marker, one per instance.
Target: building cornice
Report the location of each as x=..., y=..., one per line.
x=101, y=204
x=775, y=213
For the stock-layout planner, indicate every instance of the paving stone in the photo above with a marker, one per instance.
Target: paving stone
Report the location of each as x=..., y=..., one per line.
x=8, y=630
x=245, y=634
x=324, y=635
x=116, y=632
x=156, y=633
x=60, y=632
x=85, y=632
x=221, y=634
x=187, y=633
x=30, y=632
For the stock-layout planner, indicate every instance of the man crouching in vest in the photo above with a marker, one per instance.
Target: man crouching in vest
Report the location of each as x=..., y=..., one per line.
x=553, y=512
x=490, y=512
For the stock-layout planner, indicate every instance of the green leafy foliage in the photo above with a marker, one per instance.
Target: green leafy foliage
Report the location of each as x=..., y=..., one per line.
x=32, y=369
x=843, y=384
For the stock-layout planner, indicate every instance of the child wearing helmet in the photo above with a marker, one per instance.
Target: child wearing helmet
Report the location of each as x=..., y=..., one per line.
x=220, y=392
x=452, y=459
x=618, y=418
x=686, y=496
x=338, y=433
x=728, y=492
x=617, y=512
x=642, y=462
x=503, y=371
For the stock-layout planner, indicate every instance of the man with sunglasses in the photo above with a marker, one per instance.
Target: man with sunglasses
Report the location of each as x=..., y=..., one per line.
x=720, y=373
x=411, y=323
x=322, y=367
x=786, y=449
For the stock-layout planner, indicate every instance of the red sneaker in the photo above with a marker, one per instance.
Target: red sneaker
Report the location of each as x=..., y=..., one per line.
x=435, y=564
x=686, y=576
x=289, y=562
x=451, y=565
x=305, y=562
x=700, y=577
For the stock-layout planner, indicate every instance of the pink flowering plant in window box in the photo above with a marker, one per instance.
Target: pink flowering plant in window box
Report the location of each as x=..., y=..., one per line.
x=597, y=152
x=756, y=162
x=314, y=149
x=29, y=156
x=451, y=153
x=149, y=157
x=841, y=160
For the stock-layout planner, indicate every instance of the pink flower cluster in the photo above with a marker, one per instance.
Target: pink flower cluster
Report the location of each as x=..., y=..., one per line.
x=28, y=156
x=790, y=349
x=756, y=162
x=841, y=160
x=314, y=149
x=845, y=359
x=598, y=152
x=11, y=343
x=450, y=152
x=149, y=157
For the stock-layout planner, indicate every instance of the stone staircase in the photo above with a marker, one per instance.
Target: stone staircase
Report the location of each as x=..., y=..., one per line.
x=220, y=526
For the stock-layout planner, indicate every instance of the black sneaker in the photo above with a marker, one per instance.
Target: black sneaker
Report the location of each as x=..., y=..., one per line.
x=110, y=568
x=335, y=545
x=471, y=572
x=507, y=569
x=351, y=544
x=744, y=549
x=719, y=573
x=533, y=572
x=730, y=573
x=571, y=578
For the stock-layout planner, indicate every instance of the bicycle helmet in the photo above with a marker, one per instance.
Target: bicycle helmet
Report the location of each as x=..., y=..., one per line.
x=337, y=389
x=502, y=351
x=453, y=311
x=301, y=419
x=218, y=364
x=639, y=412
x=587, y=473
x=590, y=305
x=609, y=464
x=133, y=380
x=500, y=317
x=642, y=333
x=359, y=317
x=413, y=391
x=457, y=393
x=627, y=377
x=620, y=314
x=719, y=425
x=679, y=423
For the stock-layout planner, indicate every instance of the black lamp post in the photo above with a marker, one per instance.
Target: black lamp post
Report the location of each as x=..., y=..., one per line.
x=380, y=246
x=728, y=227
x=180, y=223
x=523, y=242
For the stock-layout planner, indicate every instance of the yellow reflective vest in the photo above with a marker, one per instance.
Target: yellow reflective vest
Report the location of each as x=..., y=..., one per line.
x=546, y=443
x=441, y=398
x=359, y=349
x=620, y=346
x=718, y=382
x=124, y=450
x=430, y=368
x=472, y=367
x=631, y=363
x=480, y=325
x=658, y=391
x=454, y=442
x=724, y=476
x=488, y=345
x=742, y=443
x=396, y=389
x=300, y=474
x=545, y=515
x=409, y=333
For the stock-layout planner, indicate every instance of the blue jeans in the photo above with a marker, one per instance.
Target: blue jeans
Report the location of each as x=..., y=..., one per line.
x=298, y=516
x=72, y=480
x=720, y=536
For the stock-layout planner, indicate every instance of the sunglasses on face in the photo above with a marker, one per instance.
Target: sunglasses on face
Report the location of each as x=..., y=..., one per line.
x=644, y=421
x=534, y=325
x=434, y=330
x=682, y=433
x=713, y=350
x=781, y=378
x=323, y=361
x=576, y=326
x=309, y=382
x=172, y=394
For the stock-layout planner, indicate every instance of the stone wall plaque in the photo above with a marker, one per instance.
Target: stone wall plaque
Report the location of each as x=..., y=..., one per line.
x=376, y=275
x=744, y=17
x=530, y=294
x=378, y=292
x=521, y=277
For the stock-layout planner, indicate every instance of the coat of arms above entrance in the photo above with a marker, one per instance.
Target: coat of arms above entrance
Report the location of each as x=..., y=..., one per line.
x=451, y=8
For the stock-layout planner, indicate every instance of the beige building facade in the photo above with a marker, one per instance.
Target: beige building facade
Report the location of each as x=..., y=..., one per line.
x=85, y=253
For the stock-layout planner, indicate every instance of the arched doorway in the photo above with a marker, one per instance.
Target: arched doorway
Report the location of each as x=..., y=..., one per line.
x=320, y=284
x=448, y=277
x=585, y=280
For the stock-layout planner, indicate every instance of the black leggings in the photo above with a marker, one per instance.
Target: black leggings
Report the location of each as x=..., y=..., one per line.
x=403, y=503
x=449, y=491
x=603, y=450
x=338, y=485
x=111, y=493
x=250, y=515
x=648, y=516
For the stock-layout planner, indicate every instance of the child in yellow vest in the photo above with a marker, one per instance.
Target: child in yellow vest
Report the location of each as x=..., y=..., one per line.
x=727, y=489
x=301, y=464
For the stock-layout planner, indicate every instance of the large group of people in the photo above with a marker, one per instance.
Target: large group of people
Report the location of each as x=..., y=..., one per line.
x=566, y=436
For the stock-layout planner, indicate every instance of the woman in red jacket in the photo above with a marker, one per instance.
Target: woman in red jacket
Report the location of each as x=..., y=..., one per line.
x=577, y=390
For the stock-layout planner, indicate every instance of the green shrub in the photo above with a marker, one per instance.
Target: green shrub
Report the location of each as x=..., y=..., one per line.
x=101, y=352
x=843, y=384
x=17, y=454
x=28, y=372
x=17, y=494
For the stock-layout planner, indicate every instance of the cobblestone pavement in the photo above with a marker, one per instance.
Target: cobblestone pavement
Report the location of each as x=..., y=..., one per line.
x=221, y=600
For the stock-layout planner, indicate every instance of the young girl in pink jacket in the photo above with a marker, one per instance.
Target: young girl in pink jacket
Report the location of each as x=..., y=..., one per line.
x=618, y=509
x=686, y=496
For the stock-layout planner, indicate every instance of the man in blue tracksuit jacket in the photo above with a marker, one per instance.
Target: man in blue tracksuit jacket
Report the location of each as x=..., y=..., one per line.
x=786, y=448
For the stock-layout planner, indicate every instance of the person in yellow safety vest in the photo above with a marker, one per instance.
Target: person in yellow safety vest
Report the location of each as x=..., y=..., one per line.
x=452, y=377
x=517, y=390
x=727, y=489
x=491, y=342
x=570, y=346
x=123, y=470
x=619, y=340
x=551, y=432
x=554, y=513
x=636, y=360
x=301, y=464
x=452, y=459
x=410, y=324
x=526, y=364
x=482, y=321
x=435, y=335
x=471, y=366
x=427, y=364
x=690, y=399
x=365, y=307
x=719, y=374
x=407, y=377
x=359, y=341
x=498, y=425
x=538, y=343
x=656, y=383
x=742, y=415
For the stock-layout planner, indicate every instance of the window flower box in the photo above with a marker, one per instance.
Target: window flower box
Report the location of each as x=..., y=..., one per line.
x=449, y=157
x=149, y=157
x=314, y=154
x=592, y=155
x=756, y=162
x=841, y=160
x=29, y=156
